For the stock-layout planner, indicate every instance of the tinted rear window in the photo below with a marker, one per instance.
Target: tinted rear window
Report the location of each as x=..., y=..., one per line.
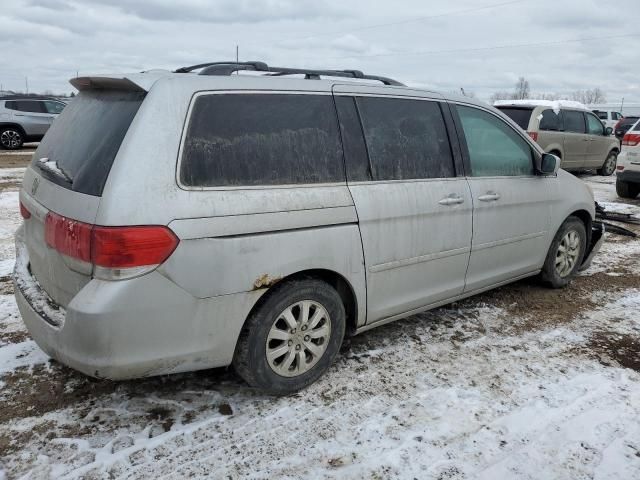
x=573, y=121
x=551, y=121
x=637, y=127
x=262, y=139
x=519, y=115
x=628, y=121
x=406, y=139
x=85, y=138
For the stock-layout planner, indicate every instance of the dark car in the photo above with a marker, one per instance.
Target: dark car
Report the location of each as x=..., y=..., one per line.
x=623, y=126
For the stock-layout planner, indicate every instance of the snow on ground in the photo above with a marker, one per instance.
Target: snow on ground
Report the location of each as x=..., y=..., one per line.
x=522, y=382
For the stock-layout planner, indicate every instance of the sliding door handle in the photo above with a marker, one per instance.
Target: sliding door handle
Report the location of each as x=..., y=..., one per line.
x=489, y=197
x=451, y=200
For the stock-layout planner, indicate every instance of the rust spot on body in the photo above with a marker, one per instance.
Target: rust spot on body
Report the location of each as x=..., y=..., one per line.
x=265, y=281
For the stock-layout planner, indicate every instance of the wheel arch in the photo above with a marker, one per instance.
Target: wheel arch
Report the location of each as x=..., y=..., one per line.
x=17, y=126
x=585, y=217
x=334, y=279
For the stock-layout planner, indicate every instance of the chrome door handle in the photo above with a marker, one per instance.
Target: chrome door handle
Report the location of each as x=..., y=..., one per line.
x=451, y=200
x=489, y=197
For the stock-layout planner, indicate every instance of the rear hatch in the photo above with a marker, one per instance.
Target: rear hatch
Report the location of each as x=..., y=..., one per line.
x=65, y=181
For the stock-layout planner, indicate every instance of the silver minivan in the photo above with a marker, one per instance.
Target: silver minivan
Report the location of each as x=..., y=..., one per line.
x=202, y=220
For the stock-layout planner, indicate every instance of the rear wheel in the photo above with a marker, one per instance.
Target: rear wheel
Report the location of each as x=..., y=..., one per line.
x=565, y=254
x=11, y=138
x=609, y=165
x=292, y=338
x=626, y=189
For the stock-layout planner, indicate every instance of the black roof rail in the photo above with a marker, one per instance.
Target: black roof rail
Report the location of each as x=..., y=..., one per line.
x=228, y=68
x=31, y=96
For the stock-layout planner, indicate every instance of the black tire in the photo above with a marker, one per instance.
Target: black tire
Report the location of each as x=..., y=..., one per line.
x=626, y=189
x=550, y=273
x=11, y=138
x=609, y=165
x=250, y=359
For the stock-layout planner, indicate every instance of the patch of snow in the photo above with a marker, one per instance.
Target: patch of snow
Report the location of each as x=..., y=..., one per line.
x=20, y=355
x=556, y=105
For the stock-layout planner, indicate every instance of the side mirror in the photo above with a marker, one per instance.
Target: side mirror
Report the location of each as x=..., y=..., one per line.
x=608, y=131
x=549, y=164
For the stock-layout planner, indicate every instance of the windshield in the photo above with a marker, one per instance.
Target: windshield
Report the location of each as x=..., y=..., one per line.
x=519, y=115
x=78, y=150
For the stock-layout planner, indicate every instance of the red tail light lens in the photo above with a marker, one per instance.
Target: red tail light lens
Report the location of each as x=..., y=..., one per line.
x=26, y=214
x=69, y=237
x=110, y=247
x=126, y=247
x=631, y=139
x=533, y=135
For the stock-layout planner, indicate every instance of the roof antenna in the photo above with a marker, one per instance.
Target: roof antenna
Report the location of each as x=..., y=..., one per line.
x=237, y=59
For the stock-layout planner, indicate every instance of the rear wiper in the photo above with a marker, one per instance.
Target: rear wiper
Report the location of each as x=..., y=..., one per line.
x=52, y=167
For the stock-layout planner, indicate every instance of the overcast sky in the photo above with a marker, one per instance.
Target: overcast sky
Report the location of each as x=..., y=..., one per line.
x=435, y=44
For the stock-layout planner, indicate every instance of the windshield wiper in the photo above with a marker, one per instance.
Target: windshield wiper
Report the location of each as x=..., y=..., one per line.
x=52, y=167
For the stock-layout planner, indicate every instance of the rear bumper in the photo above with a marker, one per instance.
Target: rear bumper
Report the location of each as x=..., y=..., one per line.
x=134, y=328
x=597, y=239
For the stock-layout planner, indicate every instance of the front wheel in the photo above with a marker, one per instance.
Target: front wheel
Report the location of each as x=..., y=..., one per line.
x=11, y=138
x=565, y=254
x=609, y=165
x=292, y=338
x=626, y=189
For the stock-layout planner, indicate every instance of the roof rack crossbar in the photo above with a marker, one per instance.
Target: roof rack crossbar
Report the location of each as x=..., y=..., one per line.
x=228, y=68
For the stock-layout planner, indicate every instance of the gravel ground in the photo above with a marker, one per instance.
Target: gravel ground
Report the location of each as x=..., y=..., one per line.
x=521, y=382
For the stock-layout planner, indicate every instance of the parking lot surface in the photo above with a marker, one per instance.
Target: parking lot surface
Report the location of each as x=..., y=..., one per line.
x=521, y=382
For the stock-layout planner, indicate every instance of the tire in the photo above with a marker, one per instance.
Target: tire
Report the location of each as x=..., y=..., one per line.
x=609, y=165
x=560, y=275
x=267, y=329
x=626, y=189
x=11, y=138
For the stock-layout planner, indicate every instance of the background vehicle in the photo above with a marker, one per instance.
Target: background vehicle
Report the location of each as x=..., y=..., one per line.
x=628, y=174
x=624, y=125
x=273, y=216
x=609, y=118
x=26, y=119
x=568, y=130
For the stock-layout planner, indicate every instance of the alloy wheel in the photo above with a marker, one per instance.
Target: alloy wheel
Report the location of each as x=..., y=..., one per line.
x=568, y=253
x=10, y=139
x=298, y=338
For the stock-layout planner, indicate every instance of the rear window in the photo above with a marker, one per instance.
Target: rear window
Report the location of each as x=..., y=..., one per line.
x=406, y=139
x=628, y=121
x=551, y=121
x=637, y=127
x=519, y=115
x=84, y=139
x=262, y=139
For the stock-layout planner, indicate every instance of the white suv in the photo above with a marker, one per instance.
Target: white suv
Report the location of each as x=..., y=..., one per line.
x=628, y=175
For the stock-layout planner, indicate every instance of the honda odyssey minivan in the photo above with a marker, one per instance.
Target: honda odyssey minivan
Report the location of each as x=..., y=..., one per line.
x=176, y=221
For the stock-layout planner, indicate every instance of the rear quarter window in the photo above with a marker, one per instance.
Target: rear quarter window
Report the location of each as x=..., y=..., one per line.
x=519, y=115
x=261, y=139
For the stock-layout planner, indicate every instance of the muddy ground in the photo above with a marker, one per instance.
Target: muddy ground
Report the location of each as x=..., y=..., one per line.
x=519, y=382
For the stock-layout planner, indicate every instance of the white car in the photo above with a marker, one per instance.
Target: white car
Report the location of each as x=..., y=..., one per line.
x=609, y=118
x=628, y=171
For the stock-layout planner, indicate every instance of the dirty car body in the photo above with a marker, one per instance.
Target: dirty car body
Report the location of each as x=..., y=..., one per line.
x=209, y=242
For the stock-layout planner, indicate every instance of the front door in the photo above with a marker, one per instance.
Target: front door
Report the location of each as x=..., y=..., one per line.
x=415, y=214
x=599, y=144
x=511, y=204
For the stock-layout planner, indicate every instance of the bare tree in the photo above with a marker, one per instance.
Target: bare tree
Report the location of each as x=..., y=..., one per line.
x=522, y=89
x=589, y=97
x=501, y=96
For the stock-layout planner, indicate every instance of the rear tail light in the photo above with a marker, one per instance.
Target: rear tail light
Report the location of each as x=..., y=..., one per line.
x=533, y=135
x=631, y=139
x=26, y=214
x=116, y=252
